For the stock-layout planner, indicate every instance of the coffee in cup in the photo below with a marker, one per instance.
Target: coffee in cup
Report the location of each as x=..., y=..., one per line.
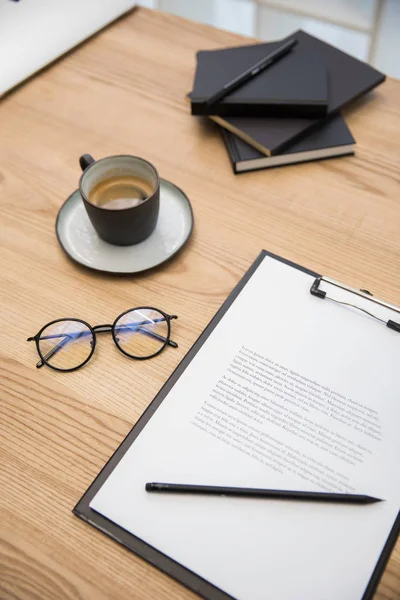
x=121, y=191
x=121, y=195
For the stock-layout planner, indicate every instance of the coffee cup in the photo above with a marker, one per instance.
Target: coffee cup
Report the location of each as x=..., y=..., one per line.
x=121, y=195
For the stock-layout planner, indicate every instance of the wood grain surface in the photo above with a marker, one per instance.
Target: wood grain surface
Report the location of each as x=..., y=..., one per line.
x=124, y=92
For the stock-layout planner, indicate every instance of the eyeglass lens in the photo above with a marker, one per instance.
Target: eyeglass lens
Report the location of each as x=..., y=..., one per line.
x=65, y=344
x=141, y=332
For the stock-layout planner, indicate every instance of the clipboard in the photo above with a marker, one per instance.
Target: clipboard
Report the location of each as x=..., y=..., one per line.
x=151, y=554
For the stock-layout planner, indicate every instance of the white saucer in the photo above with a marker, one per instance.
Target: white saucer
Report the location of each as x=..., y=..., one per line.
x=80, y=241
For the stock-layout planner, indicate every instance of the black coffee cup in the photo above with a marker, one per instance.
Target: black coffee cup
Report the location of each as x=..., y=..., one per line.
x=122, y=226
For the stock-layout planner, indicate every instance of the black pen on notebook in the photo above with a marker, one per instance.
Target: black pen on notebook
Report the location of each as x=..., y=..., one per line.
x=217, y=490
x=251, y=71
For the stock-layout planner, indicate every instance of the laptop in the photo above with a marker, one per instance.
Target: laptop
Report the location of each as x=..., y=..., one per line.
x=33, y=33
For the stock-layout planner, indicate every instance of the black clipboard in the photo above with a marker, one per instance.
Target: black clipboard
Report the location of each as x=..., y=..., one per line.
x=160, y=560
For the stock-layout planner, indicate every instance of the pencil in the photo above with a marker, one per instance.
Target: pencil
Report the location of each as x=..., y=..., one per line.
x=216, y=490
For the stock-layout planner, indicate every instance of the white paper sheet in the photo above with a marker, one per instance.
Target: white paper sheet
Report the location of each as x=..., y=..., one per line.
x=290, y=392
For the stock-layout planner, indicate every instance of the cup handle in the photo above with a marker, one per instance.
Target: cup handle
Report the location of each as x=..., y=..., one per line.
x=85, y=161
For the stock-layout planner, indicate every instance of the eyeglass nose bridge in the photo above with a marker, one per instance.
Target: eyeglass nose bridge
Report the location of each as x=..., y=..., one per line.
x=102, y=328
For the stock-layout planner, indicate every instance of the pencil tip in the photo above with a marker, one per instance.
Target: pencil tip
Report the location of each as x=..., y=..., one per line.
x=372, y=500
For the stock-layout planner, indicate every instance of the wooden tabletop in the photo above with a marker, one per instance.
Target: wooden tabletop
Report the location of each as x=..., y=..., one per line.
x=124, y=92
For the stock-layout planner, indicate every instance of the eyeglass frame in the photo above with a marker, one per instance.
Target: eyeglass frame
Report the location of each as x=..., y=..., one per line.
x=105, y=328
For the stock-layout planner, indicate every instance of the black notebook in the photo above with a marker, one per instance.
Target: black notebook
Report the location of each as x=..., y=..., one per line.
x=329, y=140
x=348, y=79
x=295, y=85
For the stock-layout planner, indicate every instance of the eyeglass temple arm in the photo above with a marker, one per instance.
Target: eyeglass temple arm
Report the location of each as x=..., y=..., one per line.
x=67, y=338
x=138, y=326
x=155, y=335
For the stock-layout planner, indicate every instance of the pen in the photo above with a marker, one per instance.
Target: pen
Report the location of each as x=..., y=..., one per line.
x=217, y=490
x=251, y=71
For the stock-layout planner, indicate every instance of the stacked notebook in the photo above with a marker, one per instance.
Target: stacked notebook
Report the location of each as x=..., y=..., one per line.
x=290, y=111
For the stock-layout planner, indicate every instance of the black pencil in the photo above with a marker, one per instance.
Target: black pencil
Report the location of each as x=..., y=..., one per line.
x=251, y=72
x=216, y=490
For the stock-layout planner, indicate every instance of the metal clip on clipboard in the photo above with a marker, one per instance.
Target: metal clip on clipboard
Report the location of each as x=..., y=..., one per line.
x=316, y=291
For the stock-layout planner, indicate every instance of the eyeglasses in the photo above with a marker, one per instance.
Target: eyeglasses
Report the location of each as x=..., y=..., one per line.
x=68, y=344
